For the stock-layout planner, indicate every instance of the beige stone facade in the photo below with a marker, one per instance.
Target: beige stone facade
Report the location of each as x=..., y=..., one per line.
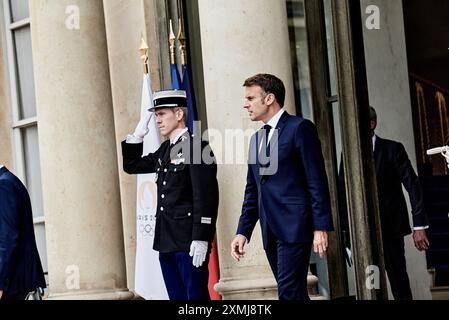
x=88, y=84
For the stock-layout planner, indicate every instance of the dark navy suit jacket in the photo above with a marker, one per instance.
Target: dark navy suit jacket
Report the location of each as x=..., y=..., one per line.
x=294, y=201
x=393, y=169
x=20, y=265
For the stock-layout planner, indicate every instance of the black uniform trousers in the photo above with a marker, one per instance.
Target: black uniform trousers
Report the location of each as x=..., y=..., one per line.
x=182, y=279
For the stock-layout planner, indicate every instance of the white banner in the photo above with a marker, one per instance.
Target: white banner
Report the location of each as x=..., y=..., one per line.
x=148, y=280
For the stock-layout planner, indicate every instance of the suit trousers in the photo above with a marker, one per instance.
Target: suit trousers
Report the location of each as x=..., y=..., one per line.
x=395, y=265
x=182, y=279
x=290, y=265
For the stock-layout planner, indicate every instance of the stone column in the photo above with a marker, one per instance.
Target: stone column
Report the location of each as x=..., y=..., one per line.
x=240, y=39
x=78, y=153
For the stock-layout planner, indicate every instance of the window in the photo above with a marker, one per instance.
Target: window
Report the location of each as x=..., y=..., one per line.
x=23, y=110
x=300, y=57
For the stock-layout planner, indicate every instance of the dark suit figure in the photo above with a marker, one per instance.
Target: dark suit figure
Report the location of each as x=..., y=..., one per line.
x=20, y=266
x=187, y=203
x=288, y=194
x=393, y=169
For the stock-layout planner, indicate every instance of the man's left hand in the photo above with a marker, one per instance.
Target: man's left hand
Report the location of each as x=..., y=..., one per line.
x=420, y=239
x=320, y=243
x=198, y=250
x=1, y=294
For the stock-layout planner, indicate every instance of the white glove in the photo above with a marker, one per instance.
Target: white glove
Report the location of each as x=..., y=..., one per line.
x=446, y=155
x=198, y=250
x=142, y=127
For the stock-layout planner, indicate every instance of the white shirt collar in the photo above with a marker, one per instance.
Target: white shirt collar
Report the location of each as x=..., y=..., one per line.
x=374, y=142
x=275, y=120
x=173, y=141
x=1, y=166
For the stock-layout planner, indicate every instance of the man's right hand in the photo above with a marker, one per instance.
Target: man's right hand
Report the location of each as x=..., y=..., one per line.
x=1, y=294
x=420, y=239
x=142, y=127
x=237, y=246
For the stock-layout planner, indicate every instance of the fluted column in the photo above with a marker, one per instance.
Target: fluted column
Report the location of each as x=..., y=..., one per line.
x=240, y=39
x=78, y=153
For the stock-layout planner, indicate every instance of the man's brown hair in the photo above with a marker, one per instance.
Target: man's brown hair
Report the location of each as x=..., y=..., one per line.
x=185, y=112
x=270, y=84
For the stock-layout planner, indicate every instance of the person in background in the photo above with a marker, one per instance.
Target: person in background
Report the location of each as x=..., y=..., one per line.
x=394, y=170
x=20, y=265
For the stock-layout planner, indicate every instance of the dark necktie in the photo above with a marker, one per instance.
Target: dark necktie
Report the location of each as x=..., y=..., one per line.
x=264, y=152
x=170, y=148
x=267, y=129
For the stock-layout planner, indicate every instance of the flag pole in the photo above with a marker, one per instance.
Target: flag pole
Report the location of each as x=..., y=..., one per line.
x=144, y=56
x=172, y=41
x=182, y=41
x=148, y=278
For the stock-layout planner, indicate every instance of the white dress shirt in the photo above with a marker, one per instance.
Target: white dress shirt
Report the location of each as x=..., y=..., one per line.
x=179, y=135
x=274, y=122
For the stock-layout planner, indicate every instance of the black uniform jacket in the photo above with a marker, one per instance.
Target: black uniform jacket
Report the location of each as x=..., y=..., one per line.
x=187, y=190
x=393, y=169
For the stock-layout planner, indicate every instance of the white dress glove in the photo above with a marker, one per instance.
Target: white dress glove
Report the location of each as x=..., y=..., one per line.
x=142, y=127
x=446, y=155
x=198, y=250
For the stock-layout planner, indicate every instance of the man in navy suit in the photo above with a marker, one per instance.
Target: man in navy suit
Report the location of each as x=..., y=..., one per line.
x=287, y=188
x=20, y=266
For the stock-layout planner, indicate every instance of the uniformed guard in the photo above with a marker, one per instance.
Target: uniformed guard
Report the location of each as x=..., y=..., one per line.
x=187, y=196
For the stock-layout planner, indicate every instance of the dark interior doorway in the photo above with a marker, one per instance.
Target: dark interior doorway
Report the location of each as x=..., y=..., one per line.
x=427, y=36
